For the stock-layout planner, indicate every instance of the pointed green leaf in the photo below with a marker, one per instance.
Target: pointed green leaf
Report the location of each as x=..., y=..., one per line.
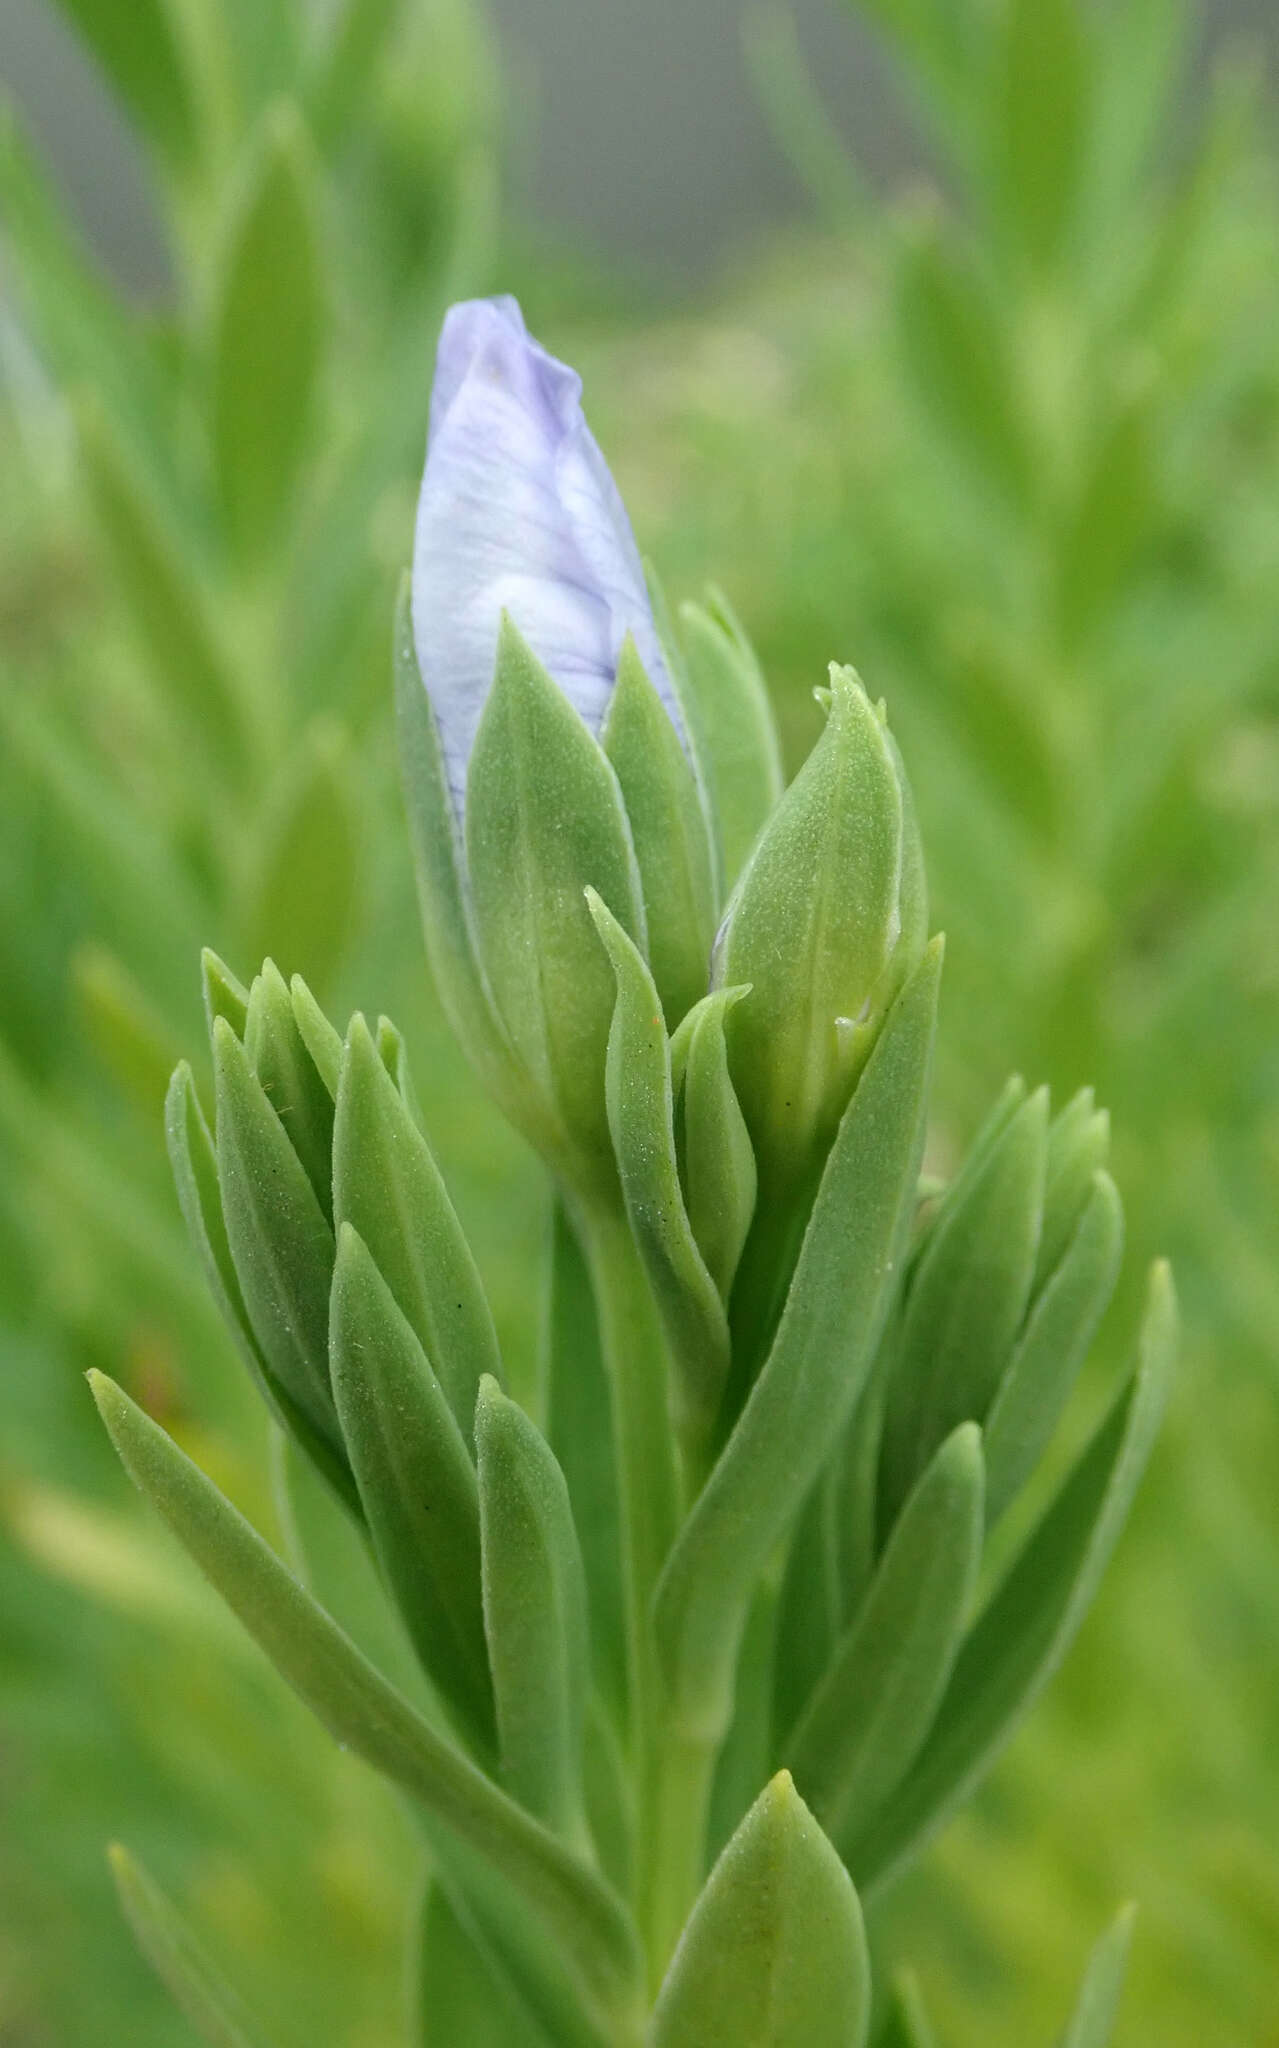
x=534, y=1614
x=1093, y=2019
x=818, y=1363
x=280, y=1239
x=811, y=928
x=579, y=1428
x=544, y=822
x=579, y=1913
x=168, y=605
x=1030, y=1623
x=720, y=1179
x=386, y=1183
x=669, y=831
x=416, y=1481
x=1052, y=1347
x=809, y=1610
x=641, y=1119
x=178, y=1959
x=774, y=1955
x=731, y=728
x=956, y=351
x=195, y=1174
x=224, y=994
x=267, y=340
x=965, y=1303
x=868, y=1719
x=304, y=886
x=278, y=1055
x=319, y=1037
x=439, y=865
x=1078, y=1147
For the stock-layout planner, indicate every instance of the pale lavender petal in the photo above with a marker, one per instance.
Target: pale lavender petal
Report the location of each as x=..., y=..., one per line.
x=518, y=513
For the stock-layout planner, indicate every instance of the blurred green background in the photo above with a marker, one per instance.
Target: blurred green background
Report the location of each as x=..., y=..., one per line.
x=942, y=334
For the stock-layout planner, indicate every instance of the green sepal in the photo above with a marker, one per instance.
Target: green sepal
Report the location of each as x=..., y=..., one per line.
x=278, y=1055
x=321, y=1039
x=774, y=1954
x=362, y=1712
x=579, y=1420
x=1092, y=2022
x=416, y=1481
x=819, y=1360
x=965, y=1303
x=1027, y=1627
x=214, y=2009
x=535, y=1614
x=268, y=333
x=669, y=832
x=544, y=821
x=440, y=868
x=195, y=1174
x=641, y=1120
x=720, y=1178
x=224, y=993
x=871, y=1713
x=386, y=1184
x=1078, y=1147
x=730, y=727
x=1053, y=1346
x=280, y=1239
x=812, y=927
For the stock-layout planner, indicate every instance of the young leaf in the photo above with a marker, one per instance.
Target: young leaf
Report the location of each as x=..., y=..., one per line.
x=965, y=1303
x=280, y=1240
x=672, y=847
x=224, y=994
x=719, y=1162
x=641, y=1120
x=869, y=1717
x=179, y=1960
x=267, y=343
x=731, y=729
x=774, y=1954
x=277, y=1053
x=1052, y=1347
x=1078, y=1146
x=578, y=1912
x=534, y=1614
x=318, y=1036
x=1029, y=1624
x=818, y=1363
x=387, y=1185
x=1093, y=2019
x=544, y=821
x=416, y=1481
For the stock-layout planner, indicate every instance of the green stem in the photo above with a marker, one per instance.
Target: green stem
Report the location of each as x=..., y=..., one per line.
x=676, y=1843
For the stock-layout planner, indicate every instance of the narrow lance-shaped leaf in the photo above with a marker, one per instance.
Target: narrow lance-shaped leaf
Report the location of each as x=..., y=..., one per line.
x=195, y=1174
x=1078, y=1146
x=416, y=1481
x=720, y=1179
x=869, y=1716
x=360, y=1709
x=965, y=1303
x=1052, y=1347
x=267, y=343
x=535, y=1616
x=641, y=1119
x=387, y=1185
x=278, y=1055
x=544, y=822
x=774, y=1954
x=731, y=726
x=1029, y=1624
x=818, y=1363
x=280, y=1239
x=1093, y=2019
x=670, y=834
x=214, y=2009
x=321, y=1040
x=224, y=993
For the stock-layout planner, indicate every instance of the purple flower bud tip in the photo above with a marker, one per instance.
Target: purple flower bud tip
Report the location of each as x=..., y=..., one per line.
x=518, y=513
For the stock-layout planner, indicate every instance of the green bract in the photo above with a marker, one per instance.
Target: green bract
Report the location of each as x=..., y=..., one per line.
x=705, y=1633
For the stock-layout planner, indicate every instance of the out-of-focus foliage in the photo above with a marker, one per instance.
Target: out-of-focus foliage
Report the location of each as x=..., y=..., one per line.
x=203, y=514
x=1012, y=444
